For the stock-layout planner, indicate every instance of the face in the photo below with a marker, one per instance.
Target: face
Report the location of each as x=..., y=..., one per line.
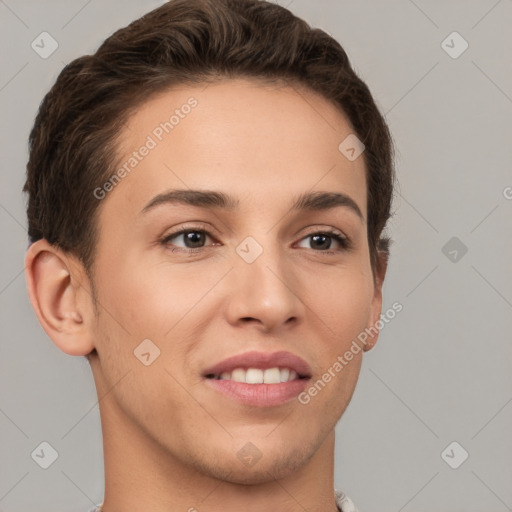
x=257, y=275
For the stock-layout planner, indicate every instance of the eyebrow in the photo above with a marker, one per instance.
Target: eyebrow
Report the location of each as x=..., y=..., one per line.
x=309, y=201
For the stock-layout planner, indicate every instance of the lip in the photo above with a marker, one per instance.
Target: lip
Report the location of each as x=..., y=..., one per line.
x=259, y=395
x=261, y=360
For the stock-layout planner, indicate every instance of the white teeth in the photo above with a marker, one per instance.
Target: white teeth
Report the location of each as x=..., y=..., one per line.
x=258, y=376
x=254, y=376
x=272, y=376
x=238, y=375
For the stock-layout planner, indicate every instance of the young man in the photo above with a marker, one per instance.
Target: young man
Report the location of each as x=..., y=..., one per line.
x=207, y=197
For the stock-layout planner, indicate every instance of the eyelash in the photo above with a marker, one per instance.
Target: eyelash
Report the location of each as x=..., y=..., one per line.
x=342, y=240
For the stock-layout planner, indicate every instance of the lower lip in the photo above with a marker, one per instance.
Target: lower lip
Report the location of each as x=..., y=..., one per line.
x=259, y=395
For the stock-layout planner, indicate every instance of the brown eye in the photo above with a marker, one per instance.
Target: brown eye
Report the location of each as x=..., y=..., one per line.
x=191, y=238
x=321, y=241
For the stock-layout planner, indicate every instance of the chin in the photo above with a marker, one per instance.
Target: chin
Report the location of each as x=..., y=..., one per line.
x=262, y=472
x=274, y=463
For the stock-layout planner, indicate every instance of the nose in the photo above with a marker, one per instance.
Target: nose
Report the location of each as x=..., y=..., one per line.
x=264, y=292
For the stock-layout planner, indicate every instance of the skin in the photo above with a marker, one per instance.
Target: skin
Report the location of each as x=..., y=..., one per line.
x=170, y=441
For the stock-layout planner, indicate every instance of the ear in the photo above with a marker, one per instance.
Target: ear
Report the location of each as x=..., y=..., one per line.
x=63, y=306
x=376, y=306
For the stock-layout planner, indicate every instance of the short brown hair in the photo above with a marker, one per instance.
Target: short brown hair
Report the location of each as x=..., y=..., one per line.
x=74, y=136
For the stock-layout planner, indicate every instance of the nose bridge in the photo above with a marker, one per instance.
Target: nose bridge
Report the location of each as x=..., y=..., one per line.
x=263, y=282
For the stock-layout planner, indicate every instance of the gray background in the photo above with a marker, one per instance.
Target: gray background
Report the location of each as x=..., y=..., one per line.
x=442, y=369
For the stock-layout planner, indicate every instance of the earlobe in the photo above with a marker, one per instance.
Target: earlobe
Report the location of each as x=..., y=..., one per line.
x=53, y=282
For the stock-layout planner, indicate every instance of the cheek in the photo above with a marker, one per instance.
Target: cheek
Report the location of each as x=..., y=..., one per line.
x=344, y=307
x=149, y=299
x=343, y=302
x=152, y=301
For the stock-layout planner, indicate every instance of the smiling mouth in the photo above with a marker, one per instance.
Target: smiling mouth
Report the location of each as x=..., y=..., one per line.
x=274, y=375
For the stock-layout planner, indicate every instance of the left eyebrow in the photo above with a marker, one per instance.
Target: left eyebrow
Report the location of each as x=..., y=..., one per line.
x=311, y=201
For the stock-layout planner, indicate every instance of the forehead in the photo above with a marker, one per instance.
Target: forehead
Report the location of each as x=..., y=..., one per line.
x=260, y=143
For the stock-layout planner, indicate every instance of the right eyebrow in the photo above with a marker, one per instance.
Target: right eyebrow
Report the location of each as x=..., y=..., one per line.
x=199, y=198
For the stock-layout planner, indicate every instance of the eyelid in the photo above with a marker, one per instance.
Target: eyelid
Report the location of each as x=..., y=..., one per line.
x=327, y=230
x=203, y=227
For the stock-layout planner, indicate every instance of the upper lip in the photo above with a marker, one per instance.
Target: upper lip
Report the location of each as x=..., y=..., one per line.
x=263, y=361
